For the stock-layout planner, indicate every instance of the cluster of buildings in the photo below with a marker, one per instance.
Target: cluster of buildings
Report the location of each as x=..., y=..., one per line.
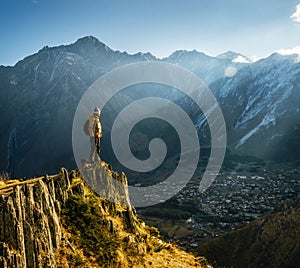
x=237, y=197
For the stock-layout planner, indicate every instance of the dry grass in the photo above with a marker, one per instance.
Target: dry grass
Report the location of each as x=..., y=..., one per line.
x=173, y=257
x=96, y=232
x=101, y=238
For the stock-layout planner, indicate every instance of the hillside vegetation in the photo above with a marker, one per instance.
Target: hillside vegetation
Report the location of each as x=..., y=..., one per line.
x=270, y=241
x=59, y=221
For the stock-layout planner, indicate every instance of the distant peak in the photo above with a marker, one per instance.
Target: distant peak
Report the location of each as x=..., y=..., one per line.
x=183, y=52
x=194, y=51
x=234, y=57
x=88, y=39
x=91, y=41
x=280, y=56
x=228, y=54
x=145, y=55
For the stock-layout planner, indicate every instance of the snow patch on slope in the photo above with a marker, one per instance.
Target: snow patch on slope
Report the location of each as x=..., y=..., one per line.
x=241, y=59
x=266, y=122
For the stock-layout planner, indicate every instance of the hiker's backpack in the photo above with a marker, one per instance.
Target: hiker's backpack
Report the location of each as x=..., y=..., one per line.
x=86, y=127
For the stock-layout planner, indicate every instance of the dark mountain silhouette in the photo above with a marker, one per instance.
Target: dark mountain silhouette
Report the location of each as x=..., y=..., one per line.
x=39, y=96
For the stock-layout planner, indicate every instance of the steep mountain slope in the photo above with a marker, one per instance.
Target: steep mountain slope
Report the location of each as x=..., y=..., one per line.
x=269, y=241
x=262, y=103
x=39, y=96
x=260, y=100
x=59, y=221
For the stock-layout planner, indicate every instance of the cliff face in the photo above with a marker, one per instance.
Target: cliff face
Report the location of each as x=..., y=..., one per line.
x=30, y=231
x=59, y=221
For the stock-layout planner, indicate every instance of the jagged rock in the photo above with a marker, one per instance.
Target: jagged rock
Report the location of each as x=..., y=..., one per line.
x=78, y=189
x=60, y=221
x=111, y=227
x=129, y=219
x=107, y=183
x=30, y=230
x=30, y=227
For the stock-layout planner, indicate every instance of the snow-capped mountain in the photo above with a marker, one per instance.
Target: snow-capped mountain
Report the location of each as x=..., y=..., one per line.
x=39, y=95
x=261, y=105
x=208, y=68
x=234, y=57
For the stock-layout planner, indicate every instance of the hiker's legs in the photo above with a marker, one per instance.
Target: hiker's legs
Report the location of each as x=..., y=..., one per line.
x=97, y=143
x=93, y=149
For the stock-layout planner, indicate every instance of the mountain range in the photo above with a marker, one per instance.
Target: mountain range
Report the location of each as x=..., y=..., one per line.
x=39, y=95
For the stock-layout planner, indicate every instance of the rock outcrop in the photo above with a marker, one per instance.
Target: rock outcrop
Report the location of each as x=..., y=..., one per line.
x=30, y=230
x=59, y=221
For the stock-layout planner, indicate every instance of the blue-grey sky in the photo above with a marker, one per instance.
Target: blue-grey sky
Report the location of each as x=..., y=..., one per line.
x=251, y=27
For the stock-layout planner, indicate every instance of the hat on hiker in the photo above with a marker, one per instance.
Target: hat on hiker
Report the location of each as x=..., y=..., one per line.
x=97, y=111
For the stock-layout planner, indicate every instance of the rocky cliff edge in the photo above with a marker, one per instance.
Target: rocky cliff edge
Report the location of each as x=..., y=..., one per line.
x=59, y=221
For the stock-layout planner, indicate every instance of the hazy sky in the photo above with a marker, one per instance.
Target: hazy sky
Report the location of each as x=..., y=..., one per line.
x=251, y=27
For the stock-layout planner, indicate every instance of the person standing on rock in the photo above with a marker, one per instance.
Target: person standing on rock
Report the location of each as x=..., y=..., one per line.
x=95, y=133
